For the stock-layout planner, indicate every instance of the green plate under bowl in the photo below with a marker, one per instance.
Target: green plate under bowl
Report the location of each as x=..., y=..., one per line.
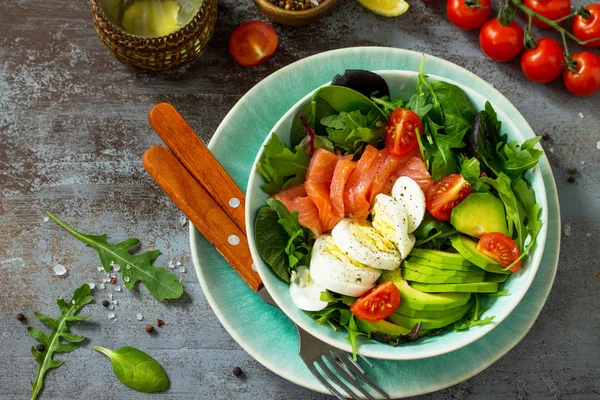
x=269, y=336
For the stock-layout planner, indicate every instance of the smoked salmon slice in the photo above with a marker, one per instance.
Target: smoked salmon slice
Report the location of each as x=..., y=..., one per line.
x=414, y=168
x=294, y=198
x=318, y=192
x=357, y=182
x=321, y=166
x=341, y=174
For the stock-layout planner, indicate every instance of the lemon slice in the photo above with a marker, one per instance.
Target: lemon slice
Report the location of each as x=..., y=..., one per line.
x=387, y=8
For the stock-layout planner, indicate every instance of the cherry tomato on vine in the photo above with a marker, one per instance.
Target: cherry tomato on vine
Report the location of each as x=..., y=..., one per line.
x=501, y=43
x=252, y=43
x=586, y=81
x=586, y=29
x=544, y=63
x=401, y=132
x=468, y=14
x=501, y=248
x=551, y=9
x=378, y=303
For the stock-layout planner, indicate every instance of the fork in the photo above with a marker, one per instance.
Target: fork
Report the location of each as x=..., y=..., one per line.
x=199, y=186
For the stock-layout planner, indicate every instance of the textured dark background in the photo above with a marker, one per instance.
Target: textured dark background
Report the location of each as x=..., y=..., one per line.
x=72, y=131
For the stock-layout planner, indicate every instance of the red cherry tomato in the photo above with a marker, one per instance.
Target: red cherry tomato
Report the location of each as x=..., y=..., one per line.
x=252, y=43
x=551, y=9
x=501, y=248
x=544, y=63
x=586, y=81
x=446, y=194
x=586, y=29
x=378, y=303
x=400, y=132
x=466, y=16
x=501, y=43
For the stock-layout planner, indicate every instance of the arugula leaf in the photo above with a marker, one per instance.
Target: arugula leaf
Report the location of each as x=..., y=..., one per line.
x=470, y=169
x=457, y=109
x=517, y=159
x=53, y=342
x=432, y=233
x=386, y=105
x=134, y=267
x=280, y=166
x=337, y=315
x=515, y=212
x=331, y=298
x=473, y=318
x=350, y=131
x=439, y=149
x=419, y=105
x=526, y=196
x=298, y=247
x=136, y=369
x=489, y=141
x=271, y=241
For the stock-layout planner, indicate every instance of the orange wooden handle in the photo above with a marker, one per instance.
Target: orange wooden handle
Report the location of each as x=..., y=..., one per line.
x=198, y=160
x=202, y=210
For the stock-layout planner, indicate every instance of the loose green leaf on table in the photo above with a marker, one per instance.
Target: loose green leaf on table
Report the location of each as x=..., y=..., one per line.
x=60, y=340
x=136, y=369
x=134, y=267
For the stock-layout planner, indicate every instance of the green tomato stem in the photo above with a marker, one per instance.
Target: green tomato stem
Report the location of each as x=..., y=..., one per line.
x=552, y=23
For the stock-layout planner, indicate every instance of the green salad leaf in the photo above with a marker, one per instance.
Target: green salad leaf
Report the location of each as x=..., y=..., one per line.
x=60, y=340
x=386, y=105
x=351, y=131
x=470, y=169
x=298, y=131
x=518, y=159
x=526, y=196
x=280, y=166
x=473, y=317
x=339, y=315
x=136, y=369
x=433, y=233
x=458, y=112
x=134, y=267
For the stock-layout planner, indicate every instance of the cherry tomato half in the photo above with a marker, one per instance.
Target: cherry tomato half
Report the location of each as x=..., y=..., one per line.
x=586, y=81
x=252, y=43
x=466, y=15
x=501, y=248
x=544, y=63
x=501, y=43
x=400, y=132
x=586, y=29
x=378, y=303
x=551, y=9
x=446, y=194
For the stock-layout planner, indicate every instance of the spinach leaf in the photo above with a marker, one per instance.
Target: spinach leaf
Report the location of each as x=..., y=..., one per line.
x=134, y=267
x=271, y=241
x=419, y=105
x=343, y=99
x=136, y=369
x=457, y=109
x=351, y=131
x=60, y=340
x=515, y=211
x=470, y=169
x=280, y=166
x=365, y=82
x=489, y=141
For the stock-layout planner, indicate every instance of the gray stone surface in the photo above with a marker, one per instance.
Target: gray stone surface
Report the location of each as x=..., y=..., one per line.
x=72, y=131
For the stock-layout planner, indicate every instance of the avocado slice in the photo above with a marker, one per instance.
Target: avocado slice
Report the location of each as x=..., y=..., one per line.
x=425, y=269
x=477, y=287
x=406, y=311
x=383, y=331
x=418, y=300
x=414, y=276
x=434, y=264
x=442, y=257
x=433, y=323
x=478, y=214
x=468, y=249
x=498, y=278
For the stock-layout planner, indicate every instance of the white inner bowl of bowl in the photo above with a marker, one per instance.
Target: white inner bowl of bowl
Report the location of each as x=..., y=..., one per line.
x=402, y=85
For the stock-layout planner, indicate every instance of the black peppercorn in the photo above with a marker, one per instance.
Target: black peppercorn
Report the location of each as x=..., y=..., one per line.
x=105, y=303
x=21, y=317
x=237, y=371
x=572, y=179
x=149, y=328
x=546, y=136
x=40, y=347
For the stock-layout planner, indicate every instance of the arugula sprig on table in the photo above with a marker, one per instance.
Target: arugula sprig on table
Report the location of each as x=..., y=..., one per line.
x=60, y=340
x=134, y=267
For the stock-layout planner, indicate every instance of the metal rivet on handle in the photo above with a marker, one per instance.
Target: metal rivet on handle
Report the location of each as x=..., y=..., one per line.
x=233, y=240
x=234, y=202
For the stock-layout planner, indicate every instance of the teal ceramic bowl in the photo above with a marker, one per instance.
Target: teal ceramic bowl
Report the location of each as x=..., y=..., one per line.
x=402, y=85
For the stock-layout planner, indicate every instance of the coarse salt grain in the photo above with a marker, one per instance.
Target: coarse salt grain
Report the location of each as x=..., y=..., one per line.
x=139, y=316
x=551, y=149
x=102, y=286
x=598, y=145
x=182, y=270
x=92, y=286
x=178, y=264
x=583, y=162
x=580, y=115
x=46, y=219
x=99, y=269
x=60, y=270
x=588, y=234
x=110, y=296
x=116, y=267
x=183, y=220
x=567, y=229
x=117, y=288
x=111, y=315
